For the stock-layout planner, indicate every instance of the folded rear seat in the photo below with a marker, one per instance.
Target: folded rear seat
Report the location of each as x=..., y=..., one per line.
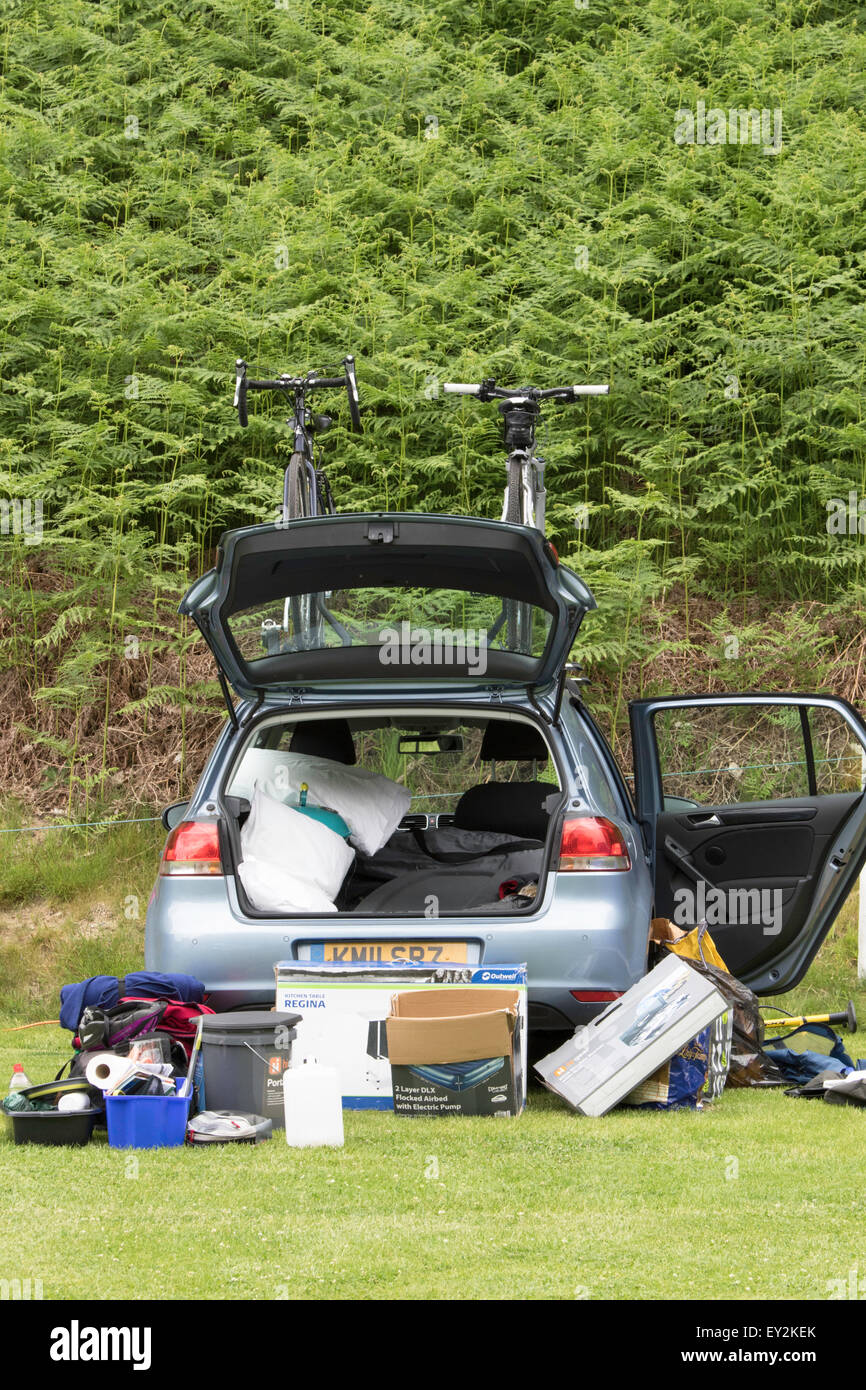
x=454, y=888
x=402, y=870
x=458, y=864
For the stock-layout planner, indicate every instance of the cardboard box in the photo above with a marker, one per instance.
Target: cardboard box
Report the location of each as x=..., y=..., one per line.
x=344, y=1008
x=636, y=1035
x=453, y=1052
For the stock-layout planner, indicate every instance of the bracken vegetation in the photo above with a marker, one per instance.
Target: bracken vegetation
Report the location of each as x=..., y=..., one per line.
x=449, y=190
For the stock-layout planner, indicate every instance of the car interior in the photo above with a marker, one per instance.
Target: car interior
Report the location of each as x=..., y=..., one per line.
x=475, y=835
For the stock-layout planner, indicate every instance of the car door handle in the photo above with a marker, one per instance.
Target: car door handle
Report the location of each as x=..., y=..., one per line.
x=701, y=822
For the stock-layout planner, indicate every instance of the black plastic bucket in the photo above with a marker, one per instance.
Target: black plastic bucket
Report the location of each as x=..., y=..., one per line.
x=57, y=1126
x=53, y=1126
x=244, y=1056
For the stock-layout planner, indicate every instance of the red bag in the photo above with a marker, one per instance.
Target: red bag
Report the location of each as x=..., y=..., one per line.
x=180, y=1021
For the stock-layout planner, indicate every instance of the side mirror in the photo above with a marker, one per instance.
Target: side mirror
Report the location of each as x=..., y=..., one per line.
x=174, y=814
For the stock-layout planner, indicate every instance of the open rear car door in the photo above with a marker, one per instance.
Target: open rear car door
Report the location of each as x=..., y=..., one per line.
x=754, y=814
x=373, y=599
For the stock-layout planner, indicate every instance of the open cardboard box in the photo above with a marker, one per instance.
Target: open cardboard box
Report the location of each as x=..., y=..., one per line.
x=458, y=1052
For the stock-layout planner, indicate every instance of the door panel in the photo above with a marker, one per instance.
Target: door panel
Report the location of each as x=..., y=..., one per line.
x=767, y=852
x=768, y=873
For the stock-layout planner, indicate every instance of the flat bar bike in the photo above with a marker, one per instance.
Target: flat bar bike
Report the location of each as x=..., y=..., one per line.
x=525, y=493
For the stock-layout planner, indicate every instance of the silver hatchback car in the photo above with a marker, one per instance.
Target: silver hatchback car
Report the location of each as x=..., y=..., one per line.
x=431, y=653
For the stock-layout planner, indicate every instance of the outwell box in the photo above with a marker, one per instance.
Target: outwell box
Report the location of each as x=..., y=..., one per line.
x=616, y=1052
x=343, y=1009
x=457, y=1052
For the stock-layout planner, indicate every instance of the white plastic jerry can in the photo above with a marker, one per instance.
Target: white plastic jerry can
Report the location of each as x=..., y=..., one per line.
x=313, y=1106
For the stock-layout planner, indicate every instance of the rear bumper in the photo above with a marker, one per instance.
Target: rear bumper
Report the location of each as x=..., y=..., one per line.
x=590, y=933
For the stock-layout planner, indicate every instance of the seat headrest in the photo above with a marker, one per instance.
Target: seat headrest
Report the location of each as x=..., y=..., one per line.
x=505, y=741
x=325, y=738
x=511, y=808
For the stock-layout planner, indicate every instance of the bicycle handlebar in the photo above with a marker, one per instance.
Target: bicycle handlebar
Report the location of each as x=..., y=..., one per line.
x=293, y=383
x=486, y=391
x=310, y=382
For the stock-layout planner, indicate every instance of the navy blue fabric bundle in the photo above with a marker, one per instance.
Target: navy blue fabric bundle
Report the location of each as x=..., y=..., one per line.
x=104, y=991
x=800, y=1067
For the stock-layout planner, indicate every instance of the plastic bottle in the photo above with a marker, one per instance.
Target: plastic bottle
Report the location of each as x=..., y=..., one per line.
x=313, y=1106
x=18, y=1081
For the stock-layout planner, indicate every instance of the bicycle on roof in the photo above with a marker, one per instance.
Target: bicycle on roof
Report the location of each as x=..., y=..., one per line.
x=525, y=493
x=306, y=489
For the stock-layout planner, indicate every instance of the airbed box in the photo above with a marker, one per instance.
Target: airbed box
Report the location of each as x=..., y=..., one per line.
x=457, y=1052
x=618, y=1050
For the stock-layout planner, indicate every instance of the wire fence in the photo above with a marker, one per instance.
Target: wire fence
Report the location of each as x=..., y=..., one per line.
x=759, y=767
x=419, y=796
x=78, y=825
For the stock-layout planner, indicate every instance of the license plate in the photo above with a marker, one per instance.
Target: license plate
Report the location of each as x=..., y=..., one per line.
x=396, y=952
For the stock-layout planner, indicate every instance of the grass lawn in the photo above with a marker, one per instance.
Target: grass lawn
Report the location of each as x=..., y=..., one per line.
x=759, y=1197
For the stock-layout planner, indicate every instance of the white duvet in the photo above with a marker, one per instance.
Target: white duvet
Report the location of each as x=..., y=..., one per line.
x=290, y=862
x=371, y=805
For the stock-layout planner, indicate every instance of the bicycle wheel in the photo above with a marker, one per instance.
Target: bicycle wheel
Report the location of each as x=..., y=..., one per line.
x=306, y=622
x=296, y=497
x=514, y=501
x=519, y=615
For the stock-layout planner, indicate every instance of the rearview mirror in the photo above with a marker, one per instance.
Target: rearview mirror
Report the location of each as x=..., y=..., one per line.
x=431, y=743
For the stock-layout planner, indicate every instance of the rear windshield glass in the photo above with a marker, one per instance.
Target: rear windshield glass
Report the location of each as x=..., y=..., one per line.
x=410, y=627
x=437, y=763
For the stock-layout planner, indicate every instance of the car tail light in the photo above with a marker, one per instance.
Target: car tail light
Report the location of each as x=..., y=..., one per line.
x=591, y=842
x=596, y=996
x=193, y=847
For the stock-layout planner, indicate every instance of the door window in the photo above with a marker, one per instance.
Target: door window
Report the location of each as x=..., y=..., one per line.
x=725, y=755
x=840, y=762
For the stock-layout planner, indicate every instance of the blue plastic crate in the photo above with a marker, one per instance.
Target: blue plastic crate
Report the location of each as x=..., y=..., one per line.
x=147, y=1122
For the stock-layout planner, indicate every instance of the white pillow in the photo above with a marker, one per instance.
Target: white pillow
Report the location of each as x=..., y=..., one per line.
x=272, y=889
x=371, y=805
x=295, y=844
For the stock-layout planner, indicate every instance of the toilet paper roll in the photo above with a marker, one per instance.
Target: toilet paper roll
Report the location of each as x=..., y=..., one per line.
x=106, y=1070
